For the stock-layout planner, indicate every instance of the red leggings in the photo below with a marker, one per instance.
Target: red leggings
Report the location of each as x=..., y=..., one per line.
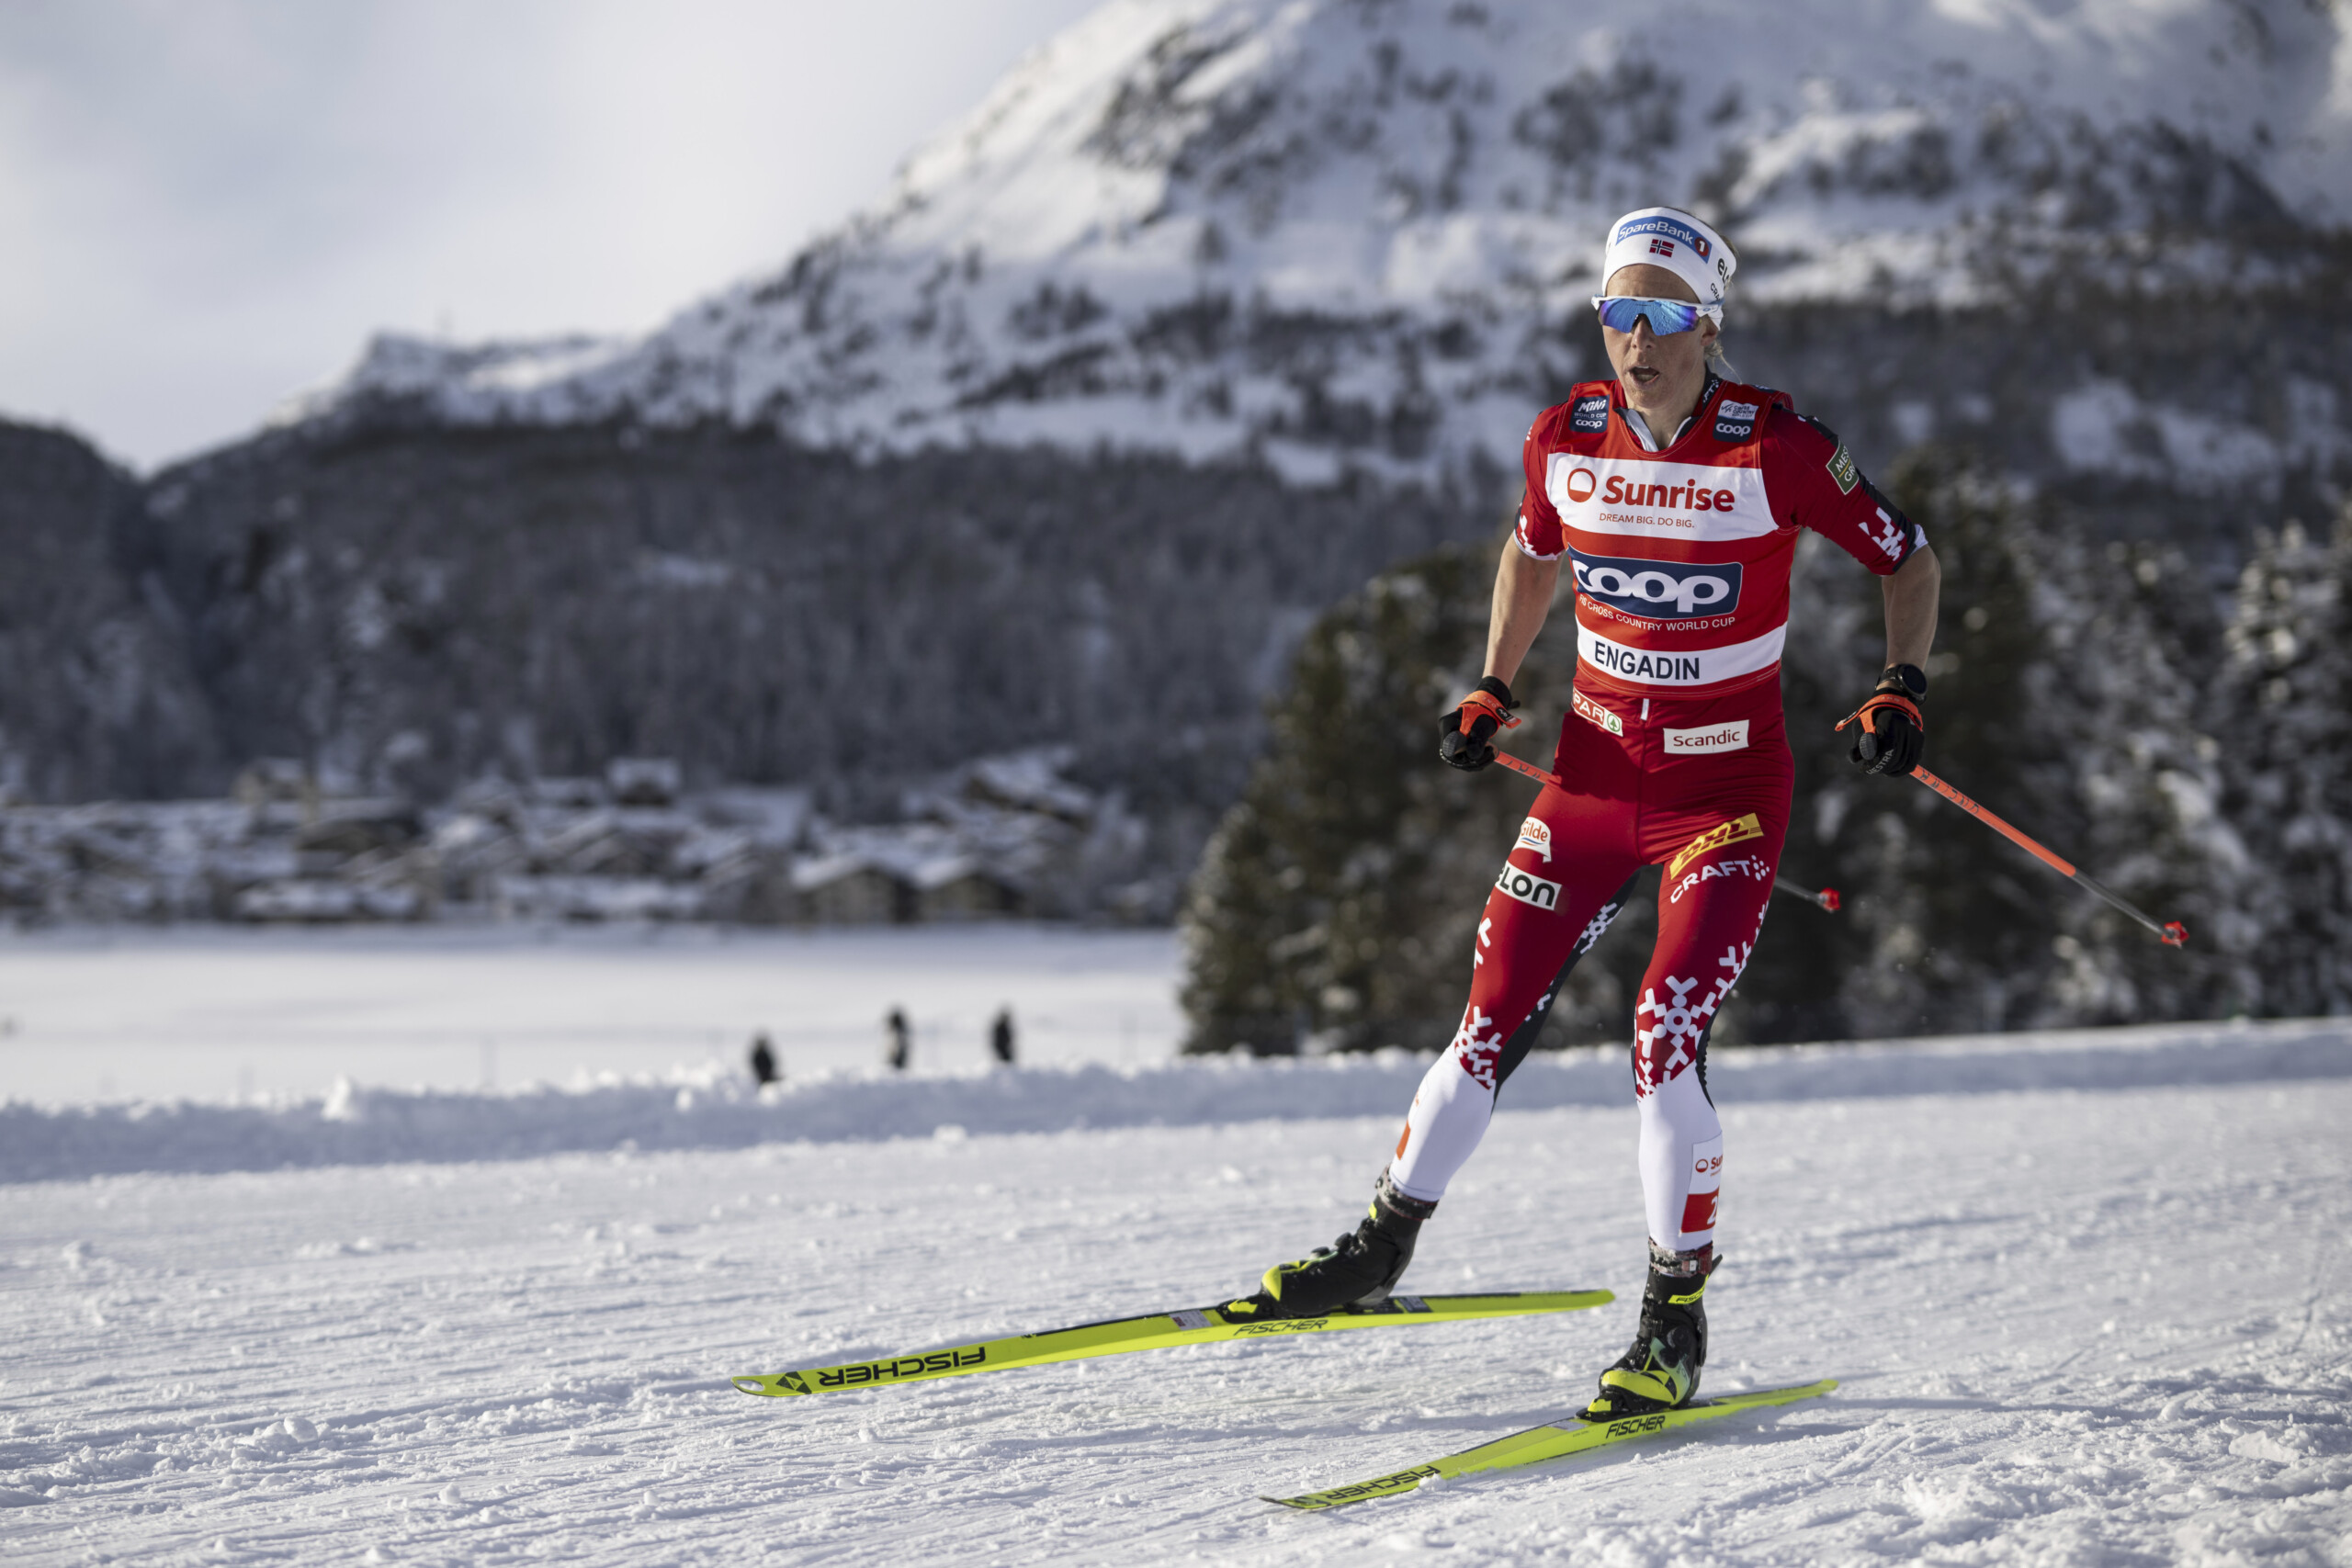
x=1713, y=815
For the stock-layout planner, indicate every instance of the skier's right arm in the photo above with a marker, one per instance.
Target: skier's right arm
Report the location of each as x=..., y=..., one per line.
x=1523, y=586
x=1523, y=590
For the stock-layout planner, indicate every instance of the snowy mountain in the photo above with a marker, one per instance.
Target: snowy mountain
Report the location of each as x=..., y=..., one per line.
x=1354, y=233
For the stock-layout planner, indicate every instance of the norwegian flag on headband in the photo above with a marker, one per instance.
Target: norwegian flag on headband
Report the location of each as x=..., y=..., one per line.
x=1678, y=241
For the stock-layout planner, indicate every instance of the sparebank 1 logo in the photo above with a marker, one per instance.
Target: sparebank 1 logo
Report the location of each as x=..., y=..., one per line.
x=1659, y=589
x=1658, y=223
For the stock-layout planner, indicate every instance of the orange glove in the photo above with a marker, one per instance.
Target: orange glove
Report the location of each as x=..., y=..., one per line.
x=1465, y=736
x=1893, y=733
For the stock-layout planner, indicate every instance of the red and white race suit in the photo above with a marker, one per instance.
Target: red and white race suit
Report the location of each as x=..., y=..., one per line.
x=1671, y=754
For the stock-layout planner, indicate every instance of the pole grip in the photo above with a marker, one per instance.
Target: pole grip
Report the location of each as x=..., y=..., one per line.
x=1519, y=765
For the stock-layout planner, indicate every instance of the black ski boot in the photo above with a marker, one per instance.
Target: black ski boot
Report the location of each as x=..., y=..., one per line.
x=1358, y=1269
x=1670, y=1347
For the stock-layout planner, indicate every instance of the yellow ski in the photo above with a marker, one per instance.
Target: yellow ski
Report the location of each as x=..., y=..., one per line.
x=1155, y=1331
x=1540, y=1443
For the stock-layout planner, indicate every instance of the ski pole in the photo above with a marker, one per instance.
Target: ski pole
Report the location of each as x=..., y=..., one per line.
x=1530, y=769
x=2171, y=933
x=1827, y=898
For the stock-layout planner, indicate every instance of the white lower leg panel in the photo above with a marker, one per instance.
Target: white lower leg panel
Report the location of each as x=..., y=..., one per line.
x=1450, y=1114
x=1681, y=1161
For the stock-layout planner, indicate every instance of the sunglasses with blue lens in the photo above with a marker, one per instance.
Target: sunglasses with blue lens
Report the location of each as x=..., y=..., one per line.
x=1620, y=312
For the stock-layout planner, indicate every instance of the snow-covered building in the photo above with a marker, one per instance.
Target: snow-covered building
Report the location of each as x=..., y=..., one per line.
x=569, y=852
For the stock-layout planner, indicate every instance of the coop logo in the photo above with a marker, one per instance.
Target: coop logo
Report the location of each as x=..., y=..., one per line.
x=1528, y=887
x=1658, y=590
x=1589, y=416
x=1579, y=484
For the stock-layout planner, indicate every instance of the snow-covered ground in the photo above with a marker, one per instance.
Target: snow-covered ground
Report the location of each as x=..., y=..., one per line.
x=2103, y=1324
x=214, y=1013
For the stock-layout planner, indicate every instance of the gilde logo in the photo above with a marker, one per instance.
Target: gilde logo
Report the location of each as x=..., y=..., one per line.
x=1580, y=484
x=1535, y=835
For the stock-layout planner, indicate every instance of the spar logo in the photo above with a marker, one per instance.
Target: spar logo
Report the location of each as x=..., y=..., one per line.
x=1528, y=887
x=1658, y=590
x=1580, y=484
x=1593, y=713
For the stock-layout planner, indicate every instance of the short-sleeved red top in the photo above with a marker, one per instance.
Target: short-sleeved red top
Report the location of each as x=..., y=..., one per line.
x=1681, y=557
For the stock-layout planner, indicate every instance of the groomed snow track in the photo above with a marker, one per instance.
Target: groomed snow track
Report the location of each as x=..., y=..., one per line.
x=2085, y=1295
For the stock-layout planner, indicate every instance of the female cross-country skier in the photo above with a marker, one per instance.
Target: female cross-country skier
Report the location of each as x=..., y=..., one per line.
x=1674, y=495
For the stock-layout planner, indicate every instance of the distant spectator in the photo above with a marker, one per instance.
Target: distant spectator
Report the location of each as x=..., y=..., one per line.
x=898, y=1044
x=764, y=1060
x=1000, y=1036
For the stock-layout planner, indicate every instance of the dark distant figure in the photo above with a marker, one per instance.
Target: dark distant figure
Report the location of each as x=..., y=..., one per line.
x=1000, y=1037
x=763, y=1060
x=899, y=1046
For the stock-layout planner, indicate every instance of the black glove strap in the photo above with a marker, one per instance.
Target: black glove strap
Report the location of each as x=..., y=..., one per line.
x=1497, y=688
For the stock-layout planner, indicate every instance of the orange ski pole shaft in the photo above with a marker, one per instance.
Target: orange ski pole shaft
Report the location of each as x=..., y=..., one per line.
x=2171, y=933
x=1517, y=765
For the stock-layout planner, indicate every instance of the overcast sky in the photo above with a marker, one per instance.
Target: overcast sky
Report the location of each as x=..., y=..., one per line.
x=207, y=205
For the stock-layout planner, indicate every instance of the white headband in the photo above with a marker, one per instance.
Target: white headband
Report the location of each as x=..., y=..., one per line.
x=1673, y=239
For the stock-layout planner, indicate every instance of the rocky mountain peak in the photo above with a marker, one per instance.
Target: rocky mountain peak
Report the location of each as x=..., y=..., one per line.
x=1357, y=233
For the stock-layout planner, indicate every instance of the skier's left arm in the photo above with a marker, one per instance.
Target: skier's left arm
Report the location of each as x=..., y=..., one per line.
x=1826, y=490
x=1911, y=592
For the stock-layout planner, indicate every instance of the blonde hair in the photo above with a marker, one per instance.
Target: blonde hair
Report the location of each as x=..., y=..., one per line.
x=1717, y=363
